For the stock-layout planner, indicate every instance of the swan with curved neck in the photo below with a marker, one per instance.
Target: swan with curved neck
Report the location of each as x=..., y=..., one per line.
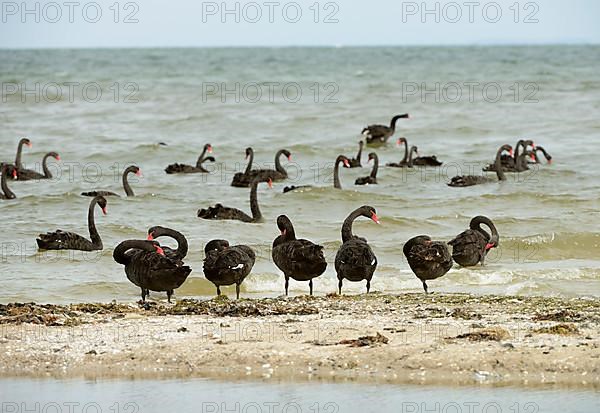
x=427, y=259
x=29, y=174
x=6, y=192
x=125, y=179
x=26, y=142
x=379, y=134
x=404, y=162
x=179, y=168
x=341, y=159
x=299, y=259
x=279, y=173
x=371, y=179
x=61, y=240
x=355, y=261
x=356, y=162
x=244, y=179
x=182, y=244
x=147, y=267
x=471, y=246
x=219, y=212
x=470, y=180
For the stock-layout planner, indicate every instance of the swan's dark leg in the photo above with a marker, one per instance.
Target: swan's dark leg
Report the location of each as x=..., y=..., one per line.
x=425, y=287
x=218, y=290
x=482, y=259
x=310, y=285
x=287, y=284
x=340, y=286
x=368, y=286
x=237, y=291
x=169, y=294
x=143, y=295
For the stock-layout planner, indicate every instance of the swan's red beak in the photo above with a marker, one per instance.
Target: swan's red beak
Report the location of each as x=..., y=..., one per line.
x=511, y=152
x=139, y=173
x=346, y=163
x=159, y=250
x=289, y=158
x=283, y=231
x=533, y=145
x=14, y=174
x=532, y=156
x=57, y=157
x=549, y=161
x=489, y=246
x=29, y=145
x=209, y=149
x=104, y=210
x=375, y=218
x=270, y=183
x=150, y=237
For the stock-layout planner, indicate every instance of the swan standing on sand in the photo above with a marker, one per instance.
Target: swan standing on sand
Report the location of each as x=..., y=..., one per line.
x=471, y=246
x=147, y=267
x=128, y=191
x=427, y=259
x=379, y=134
x=299, y=259
x=226, y=265
x=61, y=240
x=355, y=261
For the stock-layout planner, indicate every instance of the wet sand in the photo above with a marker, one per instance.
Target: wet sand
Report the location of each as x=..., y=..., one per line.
x=447, y=339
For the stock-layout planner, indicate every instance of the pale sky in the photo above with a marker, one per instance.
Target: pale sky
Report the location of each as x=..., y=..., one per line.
x=189, y=23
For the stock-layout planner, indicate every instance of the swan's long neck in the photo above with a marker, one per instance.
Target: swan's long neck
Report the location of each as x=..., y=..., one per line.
x=410, y=158
x=254, y=208
x=336, y=174
x=119, y=252
x=250, y=161
x=126, y=185
x=360, y=149
x=347, y=226
x=290, y=233
x=94, y=236
x=518, y=150
x=7, y=192
x=201, y=157
x=393, y=123
x=47, y=172
x=375, y=166
x=182, y=244
x=498, y=165
x=18, y=158
x=405, y=159
x=476, y=225
x=278, y=166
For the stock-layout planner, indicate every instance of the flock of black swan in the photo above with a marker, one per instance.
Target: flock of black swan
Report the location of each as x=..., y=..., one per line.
x=161, y=269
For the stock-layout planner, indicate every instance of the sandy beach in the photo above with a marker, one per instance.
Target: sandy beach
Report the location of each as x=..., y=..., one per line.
x=449, y=339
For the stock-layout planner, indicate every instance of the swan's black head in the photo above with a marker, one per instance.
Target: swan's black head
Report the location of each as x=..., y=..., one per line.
x=401, y=141
x=248, y=152
x=261, y=179
x=403, y=116
x=372, y=156
x=369, y=212
x=26, y=141
x=414, y=149
x=343, y=159
x=8, y=169
x=156, y=232
x=361, y=144
x=507, y=148
x=208, y=148
x=133, y=169
x=101, y=201
x=287, y=154
x=216, y=245
x=157, y=247
x=284, y=224
x=54, y=155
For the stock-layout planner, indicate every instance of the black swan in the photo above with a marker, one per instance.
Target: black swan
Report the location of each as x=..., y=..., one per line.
x=225, y=265
x=355, y=260
x=176, y=255
x=471, y=246
x=278, y=174
x=299, y=259
x=404, y=162
x=427, y=161
x=510, y=162
x=28, y=174
x=371, y=179
x=546, y=154
x=336, y=176
x=61, y=240
x=18, y=164
x=470, y=180
x=243, y=179
x=6, y=192
x=378, y=134
x=147, y=267
x=336, y=170
x=220, y=212
x=355, y=162
x=427, y=259
x=179, y=168
x=128, y=191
